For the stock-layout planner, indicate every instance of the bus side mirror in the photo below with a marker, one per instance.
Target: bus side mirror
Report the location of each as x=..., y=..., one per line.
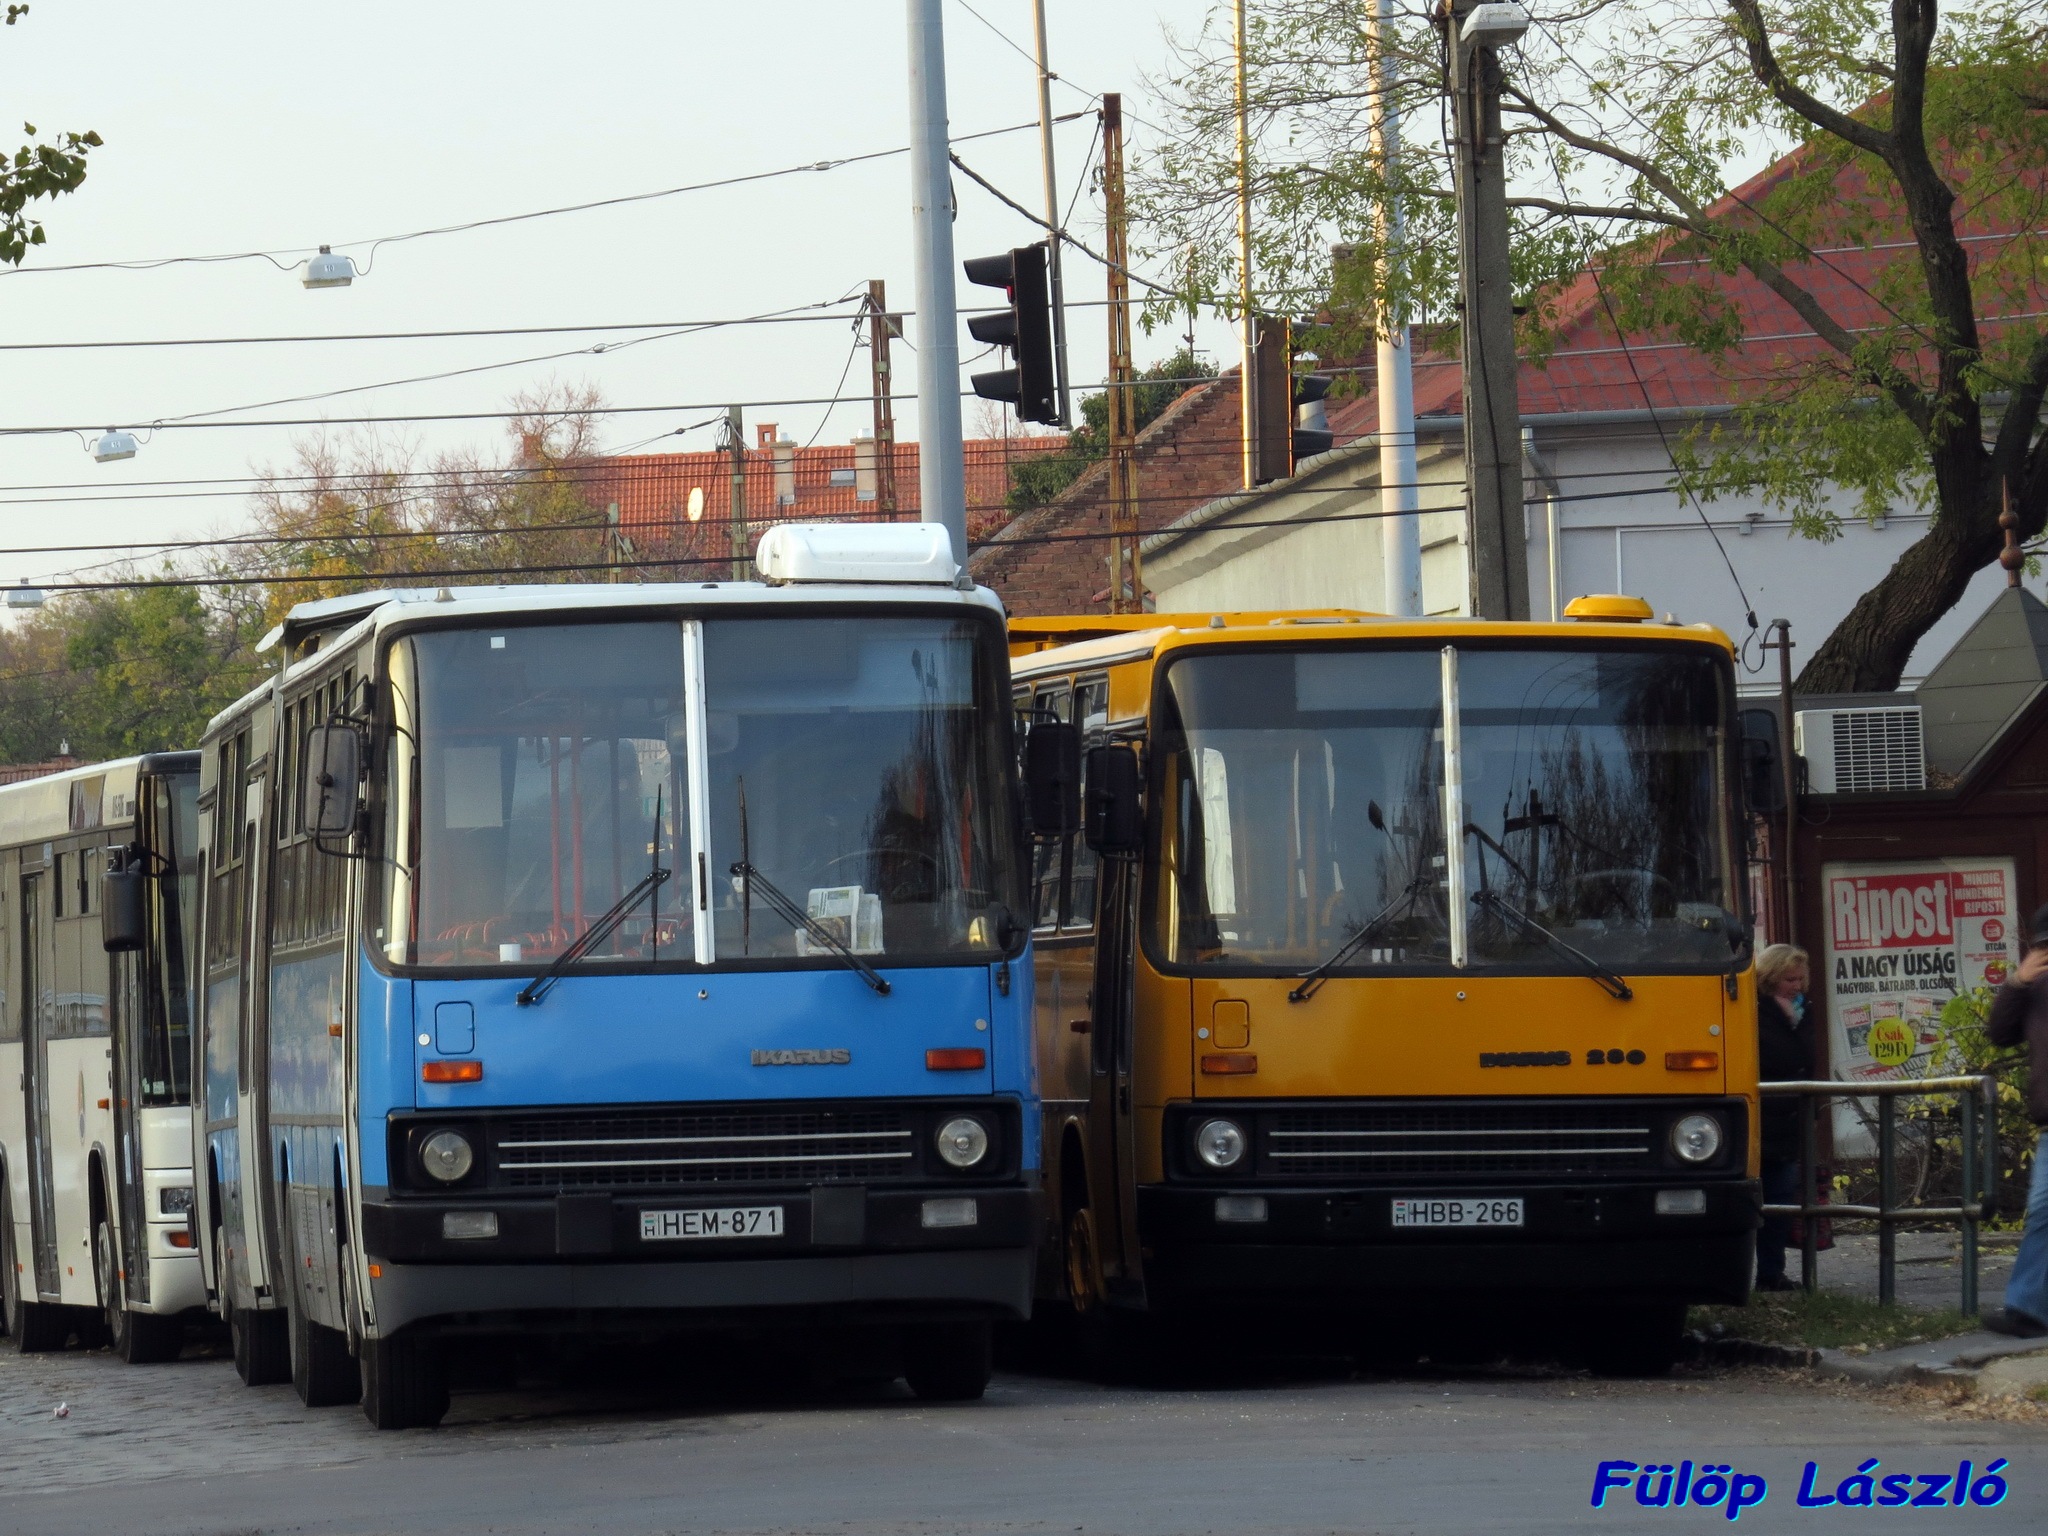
x=333, y=758
x=1052, y=778
x=1763, y=779
x=122, y=920
x=1116, y=816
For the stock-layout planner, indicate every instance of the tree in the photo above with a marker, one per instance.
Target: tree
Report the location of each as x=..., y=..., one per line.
x=1035, y=481
x=36, y=172
x=1904, y=227
x=366, y=512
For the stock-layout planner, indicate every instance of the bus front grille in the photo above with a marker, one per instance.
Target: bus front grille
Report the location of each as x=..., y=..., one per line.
x=1372, y=1142
x=704, y=1148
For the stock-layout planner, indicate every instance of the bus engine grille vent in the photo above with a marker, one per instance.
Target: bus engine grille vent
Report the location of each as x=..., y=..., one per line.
x=1368, y=1142
x=685, y=1148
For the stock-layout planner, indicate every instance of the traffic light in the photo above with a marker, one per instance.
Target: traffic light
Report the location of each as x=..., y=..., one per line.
x=1292, y=423
x=1026, y=330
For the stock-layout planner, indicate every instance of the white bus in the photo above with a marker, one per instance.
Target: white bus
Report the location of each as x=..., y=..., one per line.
x=96, y=871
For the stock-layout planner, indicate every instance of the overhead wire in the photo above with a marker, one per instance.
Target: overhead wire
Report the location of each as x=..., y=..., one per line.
x=498, y=220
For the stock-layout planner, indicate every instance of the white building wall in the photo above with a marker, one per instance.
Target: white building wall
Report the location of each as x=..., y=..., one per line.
x=1621, y=529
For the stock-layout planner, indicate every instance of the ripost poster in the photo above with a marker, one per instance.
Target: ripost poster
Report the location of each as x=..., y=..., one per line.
x=1902, y=939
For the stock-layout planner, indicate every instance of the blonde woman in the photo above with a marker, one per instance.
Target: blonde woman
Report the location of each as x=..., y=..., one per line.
x=1784, y=1054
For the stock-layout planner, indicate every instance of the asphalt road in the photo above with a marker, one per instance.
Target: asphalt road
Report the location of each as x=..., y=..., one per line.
x=656, y=1444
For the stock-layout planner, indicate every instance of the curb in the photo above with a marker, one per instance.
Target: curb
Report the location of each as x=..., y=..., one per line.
x=1735, y=1351
x=1979, y=1371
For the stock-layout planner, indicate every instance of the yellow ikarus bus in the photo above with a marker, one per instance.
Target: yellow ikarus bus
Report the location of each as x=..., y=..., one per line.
x=1399, y=967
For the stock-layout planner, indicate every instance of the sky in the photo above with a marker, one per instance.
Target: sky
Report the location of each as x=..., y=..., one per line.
x=238, y=127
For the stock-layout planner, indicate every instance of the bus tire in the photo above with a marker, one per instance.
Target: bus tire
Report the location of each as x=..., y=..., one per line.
x=1084, y=1270
x=35, y=1327
x=1637, y=1341
x=263, y=1351
x=948, y=1362
x=404, y=1382
x=322, y=1373
x=139, y=1338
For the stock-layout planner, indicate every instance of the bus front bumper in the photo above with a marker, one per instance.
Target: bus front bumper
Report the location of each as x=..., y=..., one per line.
x=1585, y=1239
x=843, y=1254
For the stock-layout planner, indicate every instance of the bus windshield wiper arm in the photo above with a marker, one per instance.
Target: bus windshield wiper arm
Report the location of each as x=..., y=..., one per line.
x=1608, y=981
x=593, y=936
x=796, y=917
x=1306, y=987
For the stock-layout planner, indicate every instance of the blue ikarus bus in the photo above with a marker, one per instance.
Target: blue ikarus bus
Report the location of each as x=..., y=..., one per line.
x=619, y=958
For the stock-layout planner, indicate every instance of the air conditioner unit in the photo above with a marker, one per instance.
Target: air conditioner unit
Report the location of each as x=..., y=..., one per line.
x=1861, y=751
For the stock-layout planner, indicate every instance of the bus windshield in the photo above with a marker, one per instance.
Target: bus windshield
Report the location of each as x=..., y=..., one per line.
x=540, y=772
x=1306, y=793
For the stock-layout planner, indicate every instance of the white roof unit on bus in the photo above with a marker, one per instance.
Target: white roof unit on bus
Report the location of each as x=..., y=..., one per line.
x=857, y=552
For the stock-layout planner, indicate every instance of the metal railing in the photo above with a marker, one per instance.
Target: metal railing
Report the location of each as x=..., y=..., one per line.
x=1976, y=1104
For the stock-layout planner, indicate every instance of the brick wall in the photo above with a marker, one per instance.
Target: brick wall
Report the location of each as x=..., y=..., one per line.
x=1189, y=456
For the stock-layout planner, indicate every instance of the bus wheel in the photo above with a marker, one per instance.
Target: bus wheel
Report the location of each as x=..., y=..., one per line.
x=322, y=1373
x=263, y=1354
x=1636, y=1341
x=34, y=1327
x=139, y=1338
x=947, y=1362
x=404, y=1382
x=1084, y=1273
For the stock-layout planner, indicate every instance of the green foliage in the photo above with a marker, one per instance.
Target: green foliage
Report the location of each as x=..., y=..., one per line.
x=111, y=673
x=1910, y=135
x=1831, y=1320
x=37, y=171
x=1037, y=480
x=1965, y=1048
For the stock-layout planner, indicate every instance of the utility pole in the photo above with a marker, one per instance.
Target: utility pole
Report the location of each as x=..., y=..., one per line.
x=882, y=328
x=1788, y=768
x=1126, y=577
x=1493, y=447
x=1053, y=222
x=1248, y=341
x=1400, y=498
x=941, y=472
x=736, y=445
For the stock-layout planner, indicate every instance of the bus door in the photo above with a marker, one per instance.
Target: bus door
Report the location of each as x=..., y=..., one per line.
x=260, y=1169
x=1112, y=1145
x=38, y=1017
x=128, y=1021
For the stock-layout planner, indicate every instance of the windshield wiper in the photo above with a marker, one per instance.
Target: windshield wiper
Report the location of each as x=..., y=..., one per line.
x=593, y=936
x=1306, y=987
x=1608, y=981
x=796, y=917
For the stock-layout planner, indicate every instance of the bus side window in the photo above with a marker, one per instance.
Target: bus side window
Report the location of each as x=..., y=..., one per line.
x=1091, y=713
x=1054, y=701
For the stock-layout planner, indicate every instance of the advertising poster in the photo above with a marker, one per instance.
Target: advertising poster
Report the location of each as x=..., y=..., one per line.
x=1902, y=940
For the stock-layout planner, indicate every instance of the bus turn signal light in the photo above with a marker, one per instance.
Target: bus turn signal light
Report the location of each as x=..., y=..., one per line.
x=1230, y=1063
x=965, y=1058
x=452, y=1072
x=1692, y=1061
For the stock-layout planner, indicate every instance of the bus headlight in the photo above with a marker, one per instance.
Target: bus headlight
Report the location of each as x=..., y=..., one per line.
x=1220, y=1144
x=174, y=1199
x=1696, y=1138
x=447, y=1156
x=963, y=1141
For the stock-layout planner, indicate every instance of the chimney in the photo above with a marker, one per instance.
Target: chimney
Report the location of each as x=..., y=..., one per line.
x=765, y=435
x=785, y=469
x=864, y=467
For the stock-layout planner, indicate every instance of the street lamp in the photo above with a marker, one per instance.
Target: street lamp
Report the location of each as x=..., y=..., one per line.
x=24, y=596
x=328, y=270
x=113, y=444
x=1494, y=24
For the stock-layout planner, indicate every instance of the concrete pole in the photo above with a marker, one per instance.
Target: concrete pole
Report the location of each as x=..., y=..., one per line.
x=941, y=471
x=1054, y=223
x=1400, y=499
x=1493, y=428
x=1248, y=373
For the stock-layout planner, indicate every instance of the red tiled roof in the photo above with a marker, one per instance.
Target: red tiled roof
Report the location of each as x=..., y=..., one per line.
x=653, y=489
x=1590, y=370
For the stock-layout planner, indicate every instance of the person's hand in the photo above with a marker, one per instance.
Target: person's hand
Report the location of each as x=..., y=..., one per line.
x=2033, y=967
